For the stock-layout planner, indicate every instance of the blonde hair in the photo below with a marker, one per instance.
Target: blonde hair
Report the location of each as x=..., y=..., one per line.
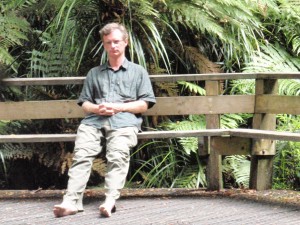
x=108, y=28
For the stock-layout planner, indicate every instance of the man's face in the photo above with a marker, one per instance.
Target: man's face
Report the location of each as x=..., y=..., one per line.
x=114, y=43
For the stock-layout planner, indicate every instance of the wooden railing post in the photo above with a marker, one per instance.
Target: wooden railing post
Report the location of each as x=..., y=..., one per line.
x=214, y=165
x=263, y=150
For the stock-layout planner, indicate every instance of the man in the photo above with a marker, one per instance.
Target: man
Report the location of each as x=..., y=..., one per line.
x=113, y=97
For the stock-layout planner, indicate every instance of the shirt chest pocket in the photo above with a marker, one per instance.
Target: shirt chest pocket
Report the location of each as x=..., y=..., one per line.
x=126, y=88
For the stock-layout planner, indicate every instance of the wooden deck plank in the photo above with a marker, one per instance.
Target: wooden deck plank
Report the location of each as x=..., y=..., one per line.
x=192, y=207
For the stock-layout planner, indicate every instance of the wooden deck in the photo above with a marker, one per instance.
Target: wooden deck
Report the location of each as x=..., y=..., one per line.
x=167, y=207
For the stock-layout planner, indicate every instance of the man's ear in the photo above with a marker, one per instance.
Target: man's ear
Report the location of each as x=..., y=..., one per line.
x=126, y=42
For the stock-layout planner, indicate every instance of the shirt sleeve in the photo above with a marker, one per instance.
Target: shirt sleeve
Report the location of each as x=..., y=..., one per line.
x=145, y=90
x=87, y=90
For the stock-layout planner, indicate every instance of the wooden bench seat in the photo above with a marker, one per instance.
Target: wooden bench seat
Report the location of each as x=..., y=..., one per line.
x=247, y=133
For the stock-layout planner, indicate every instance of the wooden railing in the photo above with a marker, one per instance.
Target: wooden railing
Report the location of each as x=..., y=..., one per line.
x=259, y=142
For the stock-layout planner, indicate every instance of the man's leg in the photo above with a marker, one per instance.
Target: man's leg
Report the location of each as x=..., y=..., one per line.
x=119, y=143
x=87, y=147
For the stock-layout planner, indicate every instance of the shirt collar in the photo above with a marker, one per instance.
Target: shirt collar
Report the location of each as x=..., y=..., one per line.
x=124, y=65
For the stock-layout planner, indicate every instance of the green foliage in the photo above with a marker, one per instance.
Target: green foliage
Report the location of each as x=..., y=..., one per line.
x=272, y=58
x=168, y=166
x=238, y=168
x=193, y=122
x=13, y=29
x=243, y=86
x=51, y=61
x=231, y=121
x=289, y=87
x=192, y=176
x=192, y=87
x=290, y=22
x=287, y=158
x=287, y=166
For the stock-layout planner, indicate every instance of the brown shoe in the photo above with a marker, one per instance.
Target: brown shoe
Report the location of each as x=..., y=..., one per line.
x=64, y=209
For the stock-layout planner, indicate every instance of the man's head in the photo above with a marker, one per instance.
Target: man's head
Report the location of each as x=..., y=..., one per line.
x=115, y=39
x=108, y=28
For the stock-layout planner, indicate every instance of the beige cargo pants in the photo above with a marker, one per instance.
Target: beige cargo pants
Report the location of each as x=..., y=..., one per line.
x=88, y=145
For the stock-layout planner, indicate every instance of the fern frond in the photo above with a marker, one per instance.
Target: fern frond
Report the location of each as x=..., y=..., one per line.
x=9, y=5
x=244, y=86
x=16, y=151
x=192, y=87
x=239, y=168
x=191, y=176
x=289, y=87
x=272, y=58
x=5, y=57
x=194, y=15
x=12, y=33
x=231, y=121
x=194, y=122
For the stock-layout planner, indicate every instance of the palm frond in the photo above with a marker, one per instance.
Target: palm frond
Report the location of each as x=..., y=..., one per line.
x=157, y=48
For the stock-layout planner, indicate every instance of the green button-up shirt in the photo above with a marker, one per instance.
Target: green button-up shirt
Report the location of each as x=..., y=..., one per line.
x=130, y=83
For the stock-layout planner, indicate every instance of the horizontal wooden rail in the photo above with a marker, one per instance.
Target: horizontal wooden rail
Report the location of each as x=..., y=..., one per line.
x=224, y=104
x=247, y=133
x=276, y=104
x=154, y=78
x=165, y=106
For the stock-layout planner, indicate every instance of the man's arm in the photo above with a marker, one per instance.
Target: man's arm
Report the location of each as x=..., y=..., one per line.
x=109, y=109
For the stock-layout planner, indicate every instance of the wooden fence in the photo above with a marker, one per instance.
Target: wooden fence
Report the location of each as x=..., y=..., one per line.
x=259, y=142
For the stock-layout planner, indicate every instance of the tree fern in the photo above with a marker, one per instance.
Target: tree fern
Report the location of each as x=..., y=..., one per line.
x=236, y=24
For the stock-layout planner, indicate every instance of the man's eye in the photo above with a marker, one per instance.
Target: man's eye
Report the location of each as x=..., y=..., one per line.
x=113, y=42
